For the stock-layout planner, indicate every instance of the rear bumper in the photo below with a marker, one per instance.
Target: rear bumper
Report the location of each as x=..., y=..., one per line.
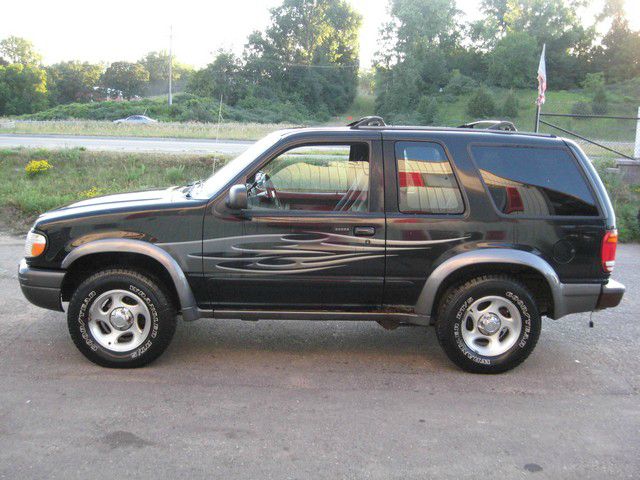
x=40, y=286
x=586, y=297
x=611, y=295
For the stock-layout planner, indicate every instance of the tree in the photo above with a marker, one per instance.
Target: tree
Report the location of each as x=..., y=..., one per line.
x=413, y=60
x=23, y=89
x=416, y=25
x=459, y=84
x=157, y=64
x=554, y=22
x=125, y=78
x=514, y=60
x=481, y=105
x=72, y=81
x=510, y=107
x=19, y=50
x=223, y=77
x=593, y=82
x=309, y=52
x=600, y=102
x=427, y=111
x=619, y=53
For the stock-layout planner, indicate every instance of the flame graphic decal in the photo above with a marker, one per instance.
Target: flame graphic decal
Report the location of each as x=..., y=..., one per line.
x=301, y=252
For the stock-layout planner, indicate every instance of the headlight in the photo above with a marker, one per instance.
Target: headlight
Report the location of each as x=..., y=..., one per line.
x=36, y=244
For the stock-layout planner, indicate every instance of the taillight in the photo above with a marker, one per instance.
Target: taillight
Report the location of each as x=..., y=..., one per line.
x=608, y=253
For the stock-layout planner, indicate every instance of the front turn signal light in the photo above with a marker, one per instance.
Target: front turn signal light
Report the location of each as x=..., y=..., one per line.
x=35, y=245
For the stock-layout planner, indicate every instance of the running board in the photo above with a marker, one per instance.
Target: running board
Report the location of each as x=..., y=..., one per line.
x=254, y=315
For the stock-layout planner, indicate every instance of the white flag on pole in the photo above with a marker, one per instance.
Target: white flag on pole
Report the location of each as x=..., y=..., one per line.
x=542, y=77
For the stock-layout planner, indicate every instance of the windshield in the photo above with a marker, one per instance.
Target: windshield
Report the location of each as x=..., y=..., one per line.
x=219, y=179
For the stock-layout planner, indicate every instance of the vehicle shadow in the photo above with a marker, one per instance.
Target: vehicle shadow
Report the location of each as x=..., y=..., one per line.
x=322, y=341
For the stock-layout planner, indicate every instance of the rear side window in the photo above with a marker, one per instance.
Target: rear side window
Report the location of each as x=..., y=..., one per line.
x=426, y=183
x=537, y=182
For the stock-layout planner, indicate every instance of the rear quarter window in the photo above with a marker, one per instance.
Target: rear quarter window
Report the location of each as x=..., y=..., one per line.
x=534, y=182
x=426, y=183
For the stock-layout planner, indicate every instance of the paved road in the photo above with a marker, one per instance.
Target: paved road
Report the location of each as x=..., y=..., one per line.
x=124, y=144
x=318, y=400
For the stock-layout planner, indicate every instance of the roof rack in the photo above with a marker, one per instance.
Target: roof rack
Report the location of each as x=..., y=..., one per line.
x=503, y=125
x=493, y=125
x=371, y=121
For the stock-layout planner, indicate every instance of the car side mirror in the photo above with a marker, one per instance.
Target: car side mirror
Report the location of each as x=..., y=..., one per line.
x=237, y=199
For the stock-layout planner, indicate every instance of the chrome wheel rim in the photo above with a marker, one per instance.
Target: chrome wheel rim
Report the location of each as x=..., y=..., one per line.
x=119, y=320
x=491, y=326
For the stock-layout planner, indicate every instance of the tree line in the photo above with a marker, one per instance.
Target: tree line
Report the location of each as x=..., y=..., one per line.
x=428, y=50
x=306, y=61
x=27, y=86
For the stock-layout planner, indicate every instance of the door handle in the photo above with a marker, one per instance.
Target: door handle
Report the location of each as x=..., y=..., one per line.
x=364, y=231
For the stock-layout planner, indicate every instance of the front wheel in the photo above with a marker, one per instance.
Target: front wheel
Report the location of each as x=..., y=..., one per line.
x=121, y=318
x=489, y=324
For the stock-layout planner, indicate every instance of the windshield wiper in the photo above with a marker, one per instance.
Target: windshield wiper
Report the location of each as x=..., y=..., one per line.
x=191, y=187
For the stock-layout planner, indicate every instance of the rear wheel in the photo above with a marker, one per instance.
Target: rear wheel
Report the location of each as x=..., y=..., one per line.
x=489, y=324
x=121, y=318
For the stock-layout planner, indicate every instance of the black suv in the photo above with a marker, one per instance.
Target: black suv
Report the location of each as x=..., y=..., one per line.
x=479, y=232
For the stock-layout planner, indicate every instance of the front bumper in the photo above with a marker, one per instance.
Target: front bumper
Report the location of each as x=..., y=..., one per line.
x=611, y=295
x=40, y=286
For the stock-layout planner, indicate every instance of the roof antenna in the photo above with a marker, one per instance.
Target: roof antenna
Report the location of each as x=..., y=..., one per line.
x=215, y=156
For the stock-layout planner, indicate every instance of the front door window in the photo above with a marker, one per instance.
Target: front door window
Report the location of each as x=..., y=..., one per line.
x=324, y=178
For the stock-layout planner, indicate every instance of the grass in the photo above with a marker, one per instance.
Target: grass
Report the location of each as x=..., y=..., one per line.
x=625, y=200
x=77, y=174
x=228, y=131
x=624, y=100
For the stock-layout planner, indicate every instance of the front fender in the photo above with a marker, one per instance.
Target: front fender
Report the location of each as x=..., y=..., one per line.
x=188, y=304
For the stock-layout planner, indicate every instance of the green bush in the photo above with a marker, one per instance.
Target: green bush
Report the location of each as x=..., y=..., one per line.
x=600, y=103
x=625, y=200
x=427, y=111
x=187, y=108
x=627, y=221
x=510, y=107
x=175, y=175
x=481, y=105
x=460, y=84
x=134, y=172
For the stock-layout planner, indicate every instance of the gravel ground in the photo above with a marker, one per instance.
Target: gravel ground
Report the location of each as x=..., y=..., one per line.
x=318, y=400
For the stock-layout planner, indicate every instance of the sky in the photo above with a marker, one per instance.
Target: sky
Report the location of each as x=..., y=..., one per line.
x=128, y=29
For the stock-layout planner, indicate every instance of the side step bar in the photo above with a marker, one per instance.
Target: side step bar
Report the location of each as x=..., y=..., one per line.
x=254, y=315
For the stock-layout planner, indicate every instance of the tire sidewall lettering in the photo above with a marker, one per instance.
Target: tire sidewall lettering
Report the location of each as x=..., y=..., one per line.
x=83, y=320
x=460, y=317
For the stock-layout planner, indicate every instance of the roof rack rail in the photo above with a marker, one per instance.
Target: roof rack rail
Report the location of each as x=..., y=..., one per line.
x=503, y=125
x=371, y=121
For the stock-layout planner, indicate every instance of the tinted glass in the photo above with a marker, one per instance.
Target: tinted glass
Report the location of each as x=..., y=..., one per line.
x=426, y=183
x=536, y=182
x=332, y=178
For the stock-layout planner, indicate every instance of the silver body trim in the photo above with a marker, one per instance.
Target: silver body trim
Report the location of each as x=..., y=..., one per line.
x=567, y=298
x=188, y=306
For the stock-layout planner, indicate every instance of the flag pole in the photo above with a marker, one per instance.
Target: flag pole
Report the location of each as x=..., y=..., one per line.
x=542, y=87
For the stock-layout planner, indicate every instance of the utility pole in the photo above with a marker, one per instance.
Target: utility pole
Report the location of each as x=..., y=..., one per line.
x=636, y=151
x=170, y=63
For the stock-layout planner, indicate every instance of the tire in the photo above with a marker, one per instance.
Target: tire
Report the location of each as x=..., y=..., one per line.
x=489, y=324
x=121, y=318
